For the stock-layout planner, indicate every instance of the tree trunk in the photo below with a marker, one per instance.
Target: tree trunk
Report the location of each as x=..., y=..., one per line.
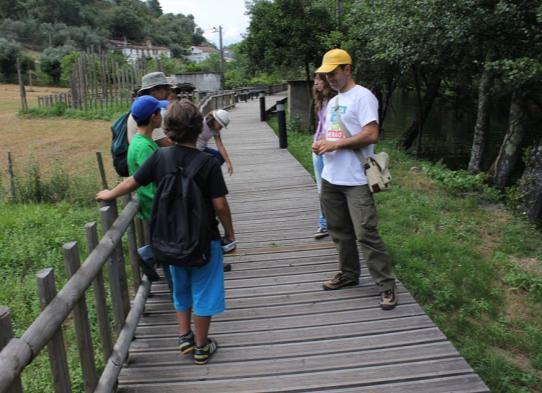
x=530, y=184
x=482, y=120
x=409, y=136
x=509, y=152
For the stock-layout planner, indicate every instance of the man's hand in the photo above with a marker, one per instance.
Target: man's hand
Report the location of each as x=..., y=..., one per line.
x=323, y=146
x=104, y=195
x=229, y=167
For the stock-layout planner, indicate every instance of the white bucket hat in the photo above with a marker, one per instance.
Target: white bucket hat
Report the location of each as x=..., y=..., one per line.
x=222, y=117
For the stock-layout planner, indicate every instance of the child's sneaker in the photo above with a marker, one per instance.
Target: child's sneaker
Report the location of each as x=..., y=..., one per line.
x=228, y=245
x=203, y=354
x=186, y=343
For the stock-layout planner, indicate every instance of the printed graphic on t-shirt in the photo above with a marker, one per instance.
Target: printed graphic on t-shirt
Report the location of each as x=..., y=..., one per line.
x=334, y=133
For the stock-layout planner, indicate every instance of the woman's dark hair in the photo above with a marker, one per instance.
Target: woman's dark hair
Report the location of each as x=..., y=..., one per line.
x=320, y=97
x=183, y=122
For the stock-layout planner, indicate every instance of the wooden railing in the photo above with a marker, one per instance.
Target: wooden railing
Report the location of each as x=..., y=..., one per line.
x=220, y=100
x=46, y=329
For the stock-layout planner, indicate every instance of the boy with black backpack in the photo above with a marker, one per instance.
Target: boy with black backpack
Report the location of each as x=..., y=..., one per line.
x=191, y=193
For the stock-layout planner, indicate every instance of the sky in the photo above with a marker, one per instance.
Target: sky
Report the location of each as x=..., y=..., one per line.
x=230, y=14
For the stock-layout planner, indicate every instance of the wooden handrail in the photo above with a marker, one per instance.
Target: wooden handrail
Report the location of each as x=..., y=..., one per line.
x=19, y=352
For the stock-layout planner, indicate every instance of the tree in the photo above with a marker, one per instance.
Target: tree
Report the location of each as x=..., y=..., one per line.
x=50, y=61
x=9, y=51
x=154, y=7
x=286, y=34
x=126, y=23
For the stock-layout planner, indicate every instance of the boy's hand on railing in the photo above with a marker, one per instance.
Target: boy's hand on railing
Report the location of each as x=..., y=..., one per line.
x=104, y=195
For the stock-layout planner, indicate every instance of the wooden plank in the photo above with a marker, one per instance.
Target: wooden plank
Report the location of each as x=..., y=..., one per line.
x=282, y=310
x=281, y=336
x=168, y=356
x=268, y=367
x=344, y=377
x=289, y=322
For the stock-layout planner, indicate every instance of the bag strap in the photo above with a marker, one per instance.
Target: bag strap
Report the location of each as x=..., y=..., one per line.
x=357, y=152
x=195, y=165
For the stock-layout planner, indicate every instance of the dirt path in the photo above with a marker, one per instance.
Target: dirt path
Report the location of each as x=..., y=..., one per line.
x=70, y=144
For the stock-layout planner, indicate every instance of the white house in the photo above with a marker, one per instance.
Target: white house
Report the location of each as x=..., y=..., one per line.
x=201, y=53
x=137, y=51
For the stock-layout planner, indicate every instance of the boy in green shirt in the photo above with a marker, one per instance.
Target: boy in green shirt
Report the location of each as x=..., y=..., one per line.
x=146, y=113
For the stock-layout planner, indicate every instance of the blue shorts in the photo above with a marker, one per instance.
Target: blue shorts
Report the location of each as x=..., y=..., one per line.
x=200, y=288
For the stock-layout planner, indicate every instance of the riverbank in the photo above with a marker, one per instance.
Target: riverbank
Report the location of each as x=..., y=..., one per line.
x=474, y=267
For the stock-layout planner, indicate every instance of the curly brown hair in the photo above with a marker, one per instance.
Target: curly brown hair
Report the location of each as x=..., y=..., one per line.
x=183, y=122
x=320, y=97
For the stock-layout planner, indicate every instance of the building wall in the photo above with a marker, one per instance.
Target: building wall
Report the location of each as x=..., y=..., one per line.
x=203, y=81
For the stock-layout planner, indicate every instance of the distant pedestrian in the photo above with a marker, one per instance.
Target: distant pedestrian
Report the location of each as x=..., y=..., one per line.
x=351, y=126
x=321, y=93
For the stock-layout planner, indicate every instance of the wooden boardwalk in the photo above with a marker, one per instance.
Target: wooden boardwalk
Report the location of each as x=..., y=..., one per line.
x=281, y=331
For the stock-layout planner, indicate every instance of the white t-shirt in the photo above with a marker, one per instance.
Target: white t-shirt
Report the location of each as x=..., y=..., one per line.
x=358, y=107
x=131, y=129
x=206, y=134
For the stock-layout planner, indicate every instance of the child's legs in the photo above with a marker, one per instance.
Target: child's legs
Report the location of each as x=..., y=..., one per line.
x=183, y=317
x=182, y=296
x=216, y=154
x=207, y=283
x=202, y=325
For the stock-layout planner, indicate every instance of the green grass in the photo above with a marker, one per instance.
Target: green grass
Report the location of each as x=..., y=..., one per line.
x=475, y=267
x=60, y=109
x=32, y=239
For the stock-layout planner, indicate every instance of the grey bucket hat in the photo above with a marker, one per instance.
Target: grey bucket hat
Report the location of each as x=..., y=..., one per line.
x=154, y=79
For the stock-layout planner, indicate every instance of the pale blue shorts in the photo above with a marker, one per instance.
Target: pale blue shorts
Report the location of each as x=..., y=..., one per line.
x=201, y=288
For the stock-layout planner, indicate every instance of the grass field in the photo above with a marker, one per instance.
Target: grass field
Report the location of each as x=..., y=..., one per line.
x=51, y=142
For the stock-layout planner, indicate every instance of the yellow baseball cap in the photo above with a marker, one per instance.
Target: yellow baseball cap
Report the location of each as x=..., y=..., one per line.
x=332, y=59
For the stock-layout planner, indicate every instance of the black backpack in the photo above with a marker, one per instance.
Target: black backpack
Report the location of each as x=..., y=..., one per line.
x=119, y=144
x=180, y=225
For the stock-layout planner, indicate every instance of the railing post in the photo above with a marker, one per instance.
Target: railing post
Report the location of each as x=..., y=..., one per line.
x=72, y=263
x=56, y=348
x=108, y=218
x=6, y=334
x=118, y=257
x=262, y=106
x=132, y=249
x=281, y=119
x=99, y=295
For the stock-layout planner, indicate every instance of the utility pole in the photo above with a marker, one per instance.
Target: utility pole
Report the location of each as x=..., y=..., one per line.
x=219, y=31
x=221, y=58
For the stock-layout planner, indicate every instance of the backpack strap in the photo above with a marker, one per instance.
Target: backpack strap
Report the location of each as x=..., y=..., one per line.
x=196, y=164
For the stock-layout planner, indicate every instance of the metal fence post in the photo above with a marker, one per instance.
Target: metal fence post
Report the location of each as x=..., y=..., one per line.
x=281, y=118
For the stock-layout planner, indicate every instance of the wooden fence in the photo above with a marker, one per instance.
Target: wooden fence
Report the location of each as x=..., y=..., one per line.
x=46, y=330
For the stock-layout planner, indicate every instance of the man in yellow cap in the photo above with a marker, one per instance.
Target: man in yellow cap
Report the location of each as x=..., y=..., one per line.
x=351, y=130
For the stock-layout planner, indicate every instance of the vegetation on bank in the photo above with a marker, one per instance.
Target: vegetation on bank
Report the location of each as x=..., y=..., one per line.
x=473, y=266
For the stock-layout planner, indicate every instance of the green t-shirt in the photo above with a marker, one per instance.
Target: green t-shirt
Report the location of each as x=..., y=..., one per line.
x=140, y=148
